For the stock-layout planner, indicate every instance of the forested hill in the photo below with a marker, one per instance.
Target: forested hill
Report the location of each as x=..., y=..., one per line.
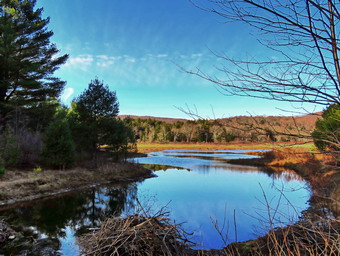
x=239, y=128
x=163, y=119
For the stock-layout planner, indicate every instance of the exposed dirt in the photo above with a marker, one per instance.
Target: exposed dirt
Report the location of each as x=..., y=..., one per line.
x=24, y=185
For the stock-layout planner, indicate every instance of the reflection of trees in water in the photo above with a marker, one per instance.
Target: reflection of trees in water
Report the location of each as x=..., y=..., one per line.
x=287, y=175
x=161, y=167
x=275, y=173
x=79, y=210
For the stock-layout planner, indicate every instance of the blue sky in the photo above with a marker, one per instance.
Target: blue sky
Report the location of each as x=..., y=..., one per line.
x=135, y=47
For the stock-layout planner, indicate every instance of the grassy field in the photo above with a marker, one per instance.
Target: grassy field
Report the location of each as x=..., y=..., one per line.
x=151, y=147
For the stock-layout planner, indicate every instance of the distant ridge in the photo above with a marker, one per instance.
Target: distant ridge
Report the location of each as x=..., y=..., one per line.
x=237, y=128
x=308, y=119
x=164, y=119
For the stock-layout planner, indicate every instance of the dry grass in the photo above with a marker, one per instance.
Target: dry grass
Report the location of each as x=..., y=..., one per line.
x=296, y=155
x=139, y=235
x=146, y=236
x=310, y=237
x=151, y=147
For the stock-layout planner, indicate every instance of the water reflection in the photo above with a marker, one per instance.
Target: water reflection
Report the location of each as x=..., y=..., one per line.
x=198, y=186
x=215, y=190
x=70, y=215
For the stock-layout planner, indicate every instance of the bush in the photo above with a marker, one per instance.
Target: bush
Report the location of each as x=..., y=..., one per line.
x=327, y=131
x=118, y=137
x=59, y=150
x=37, y=170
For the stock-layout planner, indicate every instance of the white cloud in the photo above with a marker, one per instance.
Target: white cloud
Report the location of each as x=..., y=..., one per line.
x=105, y=63
x=66, y=94
x=80, y=60
x=103, y=57
x=162, y=55
x=130, y=59
x=196, y=55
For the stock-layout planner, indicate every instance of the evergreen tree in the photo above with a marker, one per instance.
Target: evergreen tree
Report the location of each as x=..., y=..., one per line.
x=97, y=102
x=327, y=131
x=59, y=150
x=93, y=111
x=118, y=137
x=27, y=57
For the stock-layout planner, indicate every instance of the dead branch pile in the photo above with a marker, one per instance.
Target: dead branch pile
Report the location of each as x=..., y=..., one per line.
x=136, y=235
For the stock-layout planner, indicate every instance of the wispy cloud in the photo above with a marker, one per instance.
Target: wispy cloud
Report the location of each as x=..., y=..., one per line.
x=147, y=70
x=196, y=55
x=68, y=92
x=84, y=61
x=130, y=59
x=162, y=55
x=80, y=61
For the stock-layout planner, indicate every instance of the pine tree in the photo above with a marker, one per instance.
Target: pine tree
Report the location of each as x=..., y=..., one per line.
x=27, y=57
x=93, y=107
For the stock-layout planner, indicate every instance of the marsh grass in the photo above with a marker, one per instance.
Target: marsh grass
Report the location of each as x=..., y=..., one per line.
x=309, y=237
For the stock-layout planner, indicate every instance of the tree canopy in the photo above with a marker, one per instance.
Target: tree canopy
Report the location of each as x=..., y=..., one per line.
x=327, y=130
x=27, y=57
x=97, y=101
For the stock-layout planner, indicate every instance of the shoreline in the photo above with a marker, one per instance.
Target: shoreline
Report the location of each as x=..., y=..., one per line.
x=320, y=181
x=19, y=186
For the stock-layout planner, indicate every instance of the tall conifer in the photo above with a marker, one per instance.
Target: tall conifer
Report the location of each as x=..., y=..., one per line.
x=27, y=57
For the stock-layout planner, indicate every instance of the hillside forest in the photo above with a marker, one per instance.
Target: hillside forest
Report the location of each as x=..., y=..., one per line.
x=233, y=129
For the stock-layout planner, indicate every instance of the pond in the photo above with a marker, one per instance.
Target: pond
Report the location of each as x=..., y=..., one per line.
x=217, y=202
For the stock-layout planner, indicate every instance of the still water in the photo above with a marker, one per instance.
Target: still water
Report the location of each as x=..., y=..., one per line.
x=199, y=189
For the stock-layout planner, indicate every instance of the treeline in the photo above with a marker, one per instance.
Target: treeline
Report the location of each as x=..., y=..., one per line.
x=239, y=129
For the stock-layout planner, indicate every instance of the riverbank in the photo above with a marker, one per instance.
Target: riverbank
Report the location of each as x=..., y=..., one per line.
x=317, y=233
x=319, y=170
x=299, y=163
x=26, y=185
x=152, y=147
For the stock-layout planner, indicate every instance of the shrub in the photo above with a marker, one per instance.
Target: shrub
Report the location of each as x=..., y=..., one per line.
x=37, y=170
x=327, y=131
x=59, y=150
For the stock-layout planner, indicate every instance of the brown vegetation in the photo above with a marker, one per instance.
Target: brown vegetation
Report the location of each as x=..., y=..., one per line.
x=314, y=235
x=24, y=185
x=318, y=169
x=152, y=147
x=315, y=238
x=138, y=235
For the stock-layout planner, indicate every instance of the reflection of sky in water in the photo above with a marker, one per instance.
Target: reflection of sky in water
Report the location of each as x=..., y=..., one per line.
x=212, y=190
x=206, y=189
x=239, y=151
x=69, y=243
x=195, y=199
